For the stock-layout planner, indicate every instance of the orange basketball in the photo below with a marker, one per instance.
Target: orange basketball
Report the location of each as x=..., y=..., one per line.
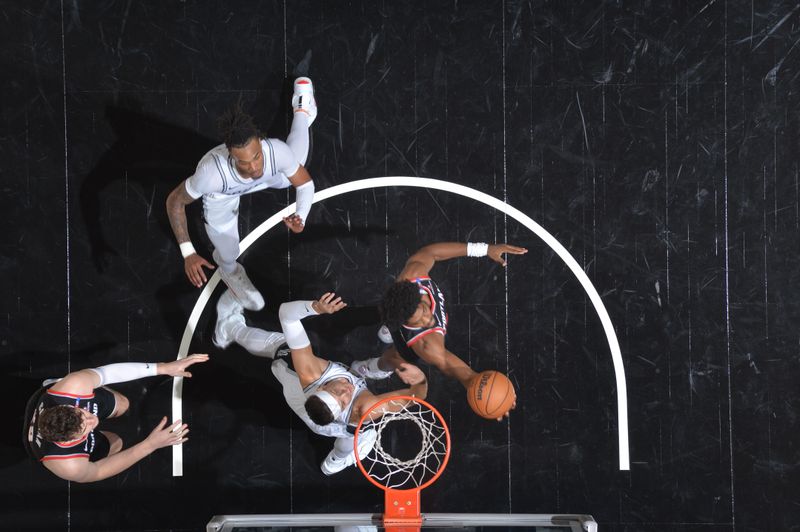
x=490, y=394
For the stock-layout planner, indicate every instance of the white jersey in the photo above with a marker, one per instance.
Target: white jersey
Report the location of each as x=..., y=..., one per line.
x=219, y=183
x=337, y=371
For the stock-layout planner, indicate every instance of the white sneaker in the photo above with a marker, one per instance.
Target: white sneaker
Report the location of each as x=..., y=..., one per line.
x=366, y=442
x=229, y=317
x=241, y=286
x=384, y=335
x=362, y=369
x=303, y=98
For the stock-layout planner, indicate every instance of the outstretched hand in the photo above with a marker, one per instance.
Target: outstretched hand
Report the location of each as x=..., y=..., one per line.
x=163, y=436
x=328, y=304
x=410, y=374
x=193, y=266
x=177, y=368
x=294, y=223
x=496, y=252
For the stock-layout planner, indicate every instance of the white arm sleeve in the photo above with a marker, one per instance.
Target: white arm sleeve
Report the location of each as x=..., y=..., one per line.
x=125, y=371
x=290, y=315
x=305, y=197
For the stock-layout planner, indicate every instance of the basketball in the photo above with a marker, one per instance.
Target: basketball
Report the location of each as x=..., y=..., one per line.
x=490, y=394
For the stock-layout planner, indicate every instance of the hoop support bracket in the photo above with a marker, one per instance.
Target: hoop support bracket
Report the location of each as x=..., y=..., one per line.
x=401, y=511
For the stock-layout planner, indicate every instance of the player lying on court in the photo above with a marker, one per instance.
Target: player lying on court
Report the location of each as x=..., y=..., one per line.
x=326, y=395
x=62, y=418
x=414, y=313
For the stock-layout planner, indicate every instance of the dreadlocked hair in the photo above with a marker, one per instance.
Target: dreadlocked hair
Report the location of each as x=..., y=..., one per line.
x=237, y=127
x=318, y=411
x=59, y=423
x=399, y=304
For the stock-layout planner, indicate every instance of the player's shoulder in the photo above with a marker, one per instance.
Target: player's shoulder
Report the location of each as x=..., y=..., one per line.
x=78, y=384
x=266, y=142
x=213, y=155
x=429, y=344
x=68, y=468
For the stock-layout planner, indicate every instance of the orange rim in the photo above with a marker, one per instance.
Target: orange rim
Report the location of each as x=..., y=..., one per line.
x=438, y=417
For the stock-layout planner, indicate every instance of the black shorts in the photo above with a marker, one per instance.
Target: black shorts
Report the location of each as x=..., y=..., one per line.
x=402, y=348
x=101, y=447
x=106, y=402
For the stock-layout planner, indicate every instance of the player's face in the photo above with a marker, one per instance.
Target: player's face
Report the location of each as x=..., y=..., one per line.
x=249, y=159
x=422, y=317
x=341, y=389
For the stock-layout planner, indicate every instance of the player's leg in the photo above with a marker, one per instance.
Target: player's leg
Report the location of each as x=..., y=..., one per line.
x=110, y=403
x=226, y=251
x=380, y=367
x=231, y=327
x=342, y=454
x=305, y=111
x=103, y=440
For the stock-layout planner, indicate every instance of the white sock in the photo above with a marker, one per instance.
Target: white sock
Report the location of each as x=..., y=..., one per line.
x=298, y=137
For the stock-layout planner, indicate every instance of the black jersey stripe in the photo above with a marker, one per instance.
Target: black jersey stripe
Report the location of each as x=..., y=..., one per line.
x=221, y=173
x=272, y=157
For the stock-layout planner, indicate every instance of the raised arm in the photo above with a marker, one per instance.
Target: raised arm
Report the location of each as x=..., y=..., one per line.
x=418, y=387
x=421, y=262
x=86, y=380
x=82, y=470
x=304, y=189
x=193, y=263
x=431, y=349
x=306, y=364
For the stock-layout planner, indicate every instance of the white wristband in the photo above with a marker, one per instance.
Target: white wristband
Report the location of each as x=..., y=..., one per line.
x=187, y=249
x=477, y=249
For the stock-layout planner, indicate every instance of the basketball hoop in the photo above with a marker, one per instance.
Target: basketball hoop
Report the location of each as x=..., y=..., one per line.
x=403, y=477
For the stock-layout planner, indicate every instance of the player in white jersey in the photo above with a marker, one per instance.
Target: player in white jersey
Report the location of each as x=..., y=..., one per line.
x=245, y=163
x=326, y=395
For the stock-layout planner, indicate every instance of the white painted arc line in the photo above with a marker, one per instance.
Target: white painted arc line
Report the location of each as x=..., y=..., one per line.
x=422, y=182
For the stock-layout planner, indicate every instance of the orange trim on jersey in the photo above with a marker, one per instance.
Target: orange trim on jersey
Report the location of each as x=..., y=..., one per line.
x=72, y=443
x=426, y=333
x=415, y=279
x=71, y=395
x=64, y=457
x=433, y=299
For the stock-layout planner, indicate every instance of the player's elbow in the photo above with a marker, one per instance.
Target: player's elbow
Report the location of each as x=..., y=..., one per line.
x=81, y=475
x=283, y=313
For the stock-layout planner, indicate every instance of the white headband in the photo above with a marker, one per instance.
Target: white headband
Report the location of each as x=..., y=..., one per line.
x=330, y=402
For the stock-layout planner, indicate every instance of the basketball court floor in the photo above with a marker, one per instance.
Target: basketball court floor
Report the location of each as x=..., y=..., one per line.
x=645, y=154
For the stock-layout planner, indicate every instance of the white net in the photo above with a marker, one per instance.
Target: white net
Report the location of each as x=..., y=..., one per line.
x=410, y=448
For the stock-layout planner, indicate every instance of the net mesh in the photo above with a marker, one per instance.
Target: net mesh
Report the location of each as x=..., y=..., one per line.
x=395, y=435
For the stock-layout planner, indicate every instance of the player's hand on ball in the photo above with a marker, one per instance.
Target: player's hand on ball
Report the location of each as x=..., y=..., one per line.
x=508, y=414
x=328, y=304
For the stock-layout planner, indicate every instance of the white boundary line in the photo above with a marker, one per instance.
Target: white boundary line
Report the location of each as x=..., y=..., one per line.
x=421, y=182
